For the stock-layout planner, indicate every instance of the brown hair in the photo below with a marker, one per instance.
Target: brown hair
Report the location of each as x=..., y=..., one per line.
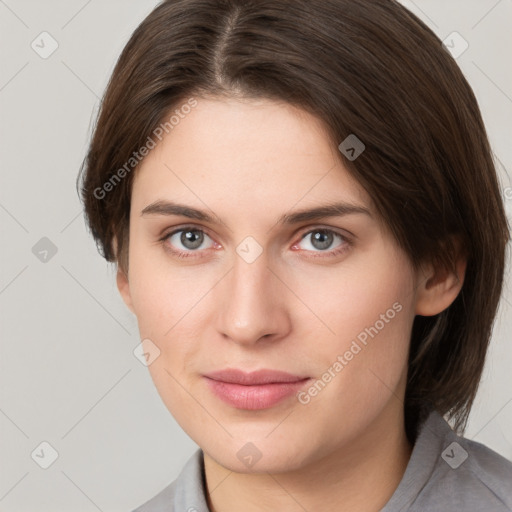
x=369, y=68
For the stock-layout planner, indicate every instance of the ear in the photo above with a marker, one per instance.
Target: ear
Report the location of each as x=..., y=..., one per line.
x=123, y=285
x=439, y=287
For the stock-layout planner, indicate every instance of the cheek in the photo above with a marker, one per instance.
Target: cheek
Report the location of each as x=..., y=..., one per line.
x=161, y=293
x=166, y=308
x=170, y=305
x=367, y=295
x=364, y=336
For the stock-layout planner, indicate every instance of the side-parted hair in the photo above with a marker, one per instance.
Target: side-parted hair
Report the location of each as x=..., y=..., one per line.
x=364, y=67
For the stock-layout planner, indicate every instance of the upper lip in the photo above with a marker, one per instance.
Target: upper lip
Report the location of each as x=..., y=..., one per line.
x=235, y=376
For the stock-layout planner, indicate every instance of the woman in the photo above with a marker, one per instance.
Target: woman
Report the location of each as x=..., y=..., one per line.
x=306, y=220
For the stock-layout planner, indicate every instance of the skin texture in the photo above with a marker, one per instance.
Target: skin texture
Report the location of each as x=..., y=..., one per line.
x=295, y=308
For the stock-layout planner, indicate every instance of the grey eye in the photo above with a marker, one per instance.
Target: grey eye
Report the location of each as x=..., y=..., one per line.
x=318, y=240
x=189, y=239
x=321, y=239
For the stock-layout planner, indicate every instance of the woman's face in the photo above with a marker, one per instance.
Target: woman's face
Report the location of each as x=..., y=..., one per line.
x=245, y=282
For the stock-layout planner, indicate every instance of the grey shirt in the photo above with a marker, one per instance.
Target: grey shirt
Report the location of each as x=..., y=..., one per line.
x=445, y=473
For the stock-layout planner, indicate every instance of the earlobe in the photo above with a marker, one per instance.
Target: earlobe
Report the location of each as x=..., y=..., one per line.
x=123, y=286
x=438, y=288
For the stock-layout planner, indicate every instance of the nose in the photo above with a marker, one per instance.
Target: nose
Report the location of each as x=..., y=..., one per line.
x=252, y=303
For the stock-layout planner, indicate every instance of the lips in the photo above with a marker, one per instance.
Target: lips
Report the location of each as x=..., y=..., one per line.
x=261, y=389
x=234, y=376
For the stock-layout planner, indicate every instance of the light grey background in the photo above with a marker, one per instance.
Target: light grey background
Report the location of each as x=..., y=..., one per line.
x=68, y=375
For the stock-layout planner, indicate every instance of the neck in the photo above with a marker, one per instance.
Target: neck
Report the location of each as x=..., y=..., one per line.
x=362, y=476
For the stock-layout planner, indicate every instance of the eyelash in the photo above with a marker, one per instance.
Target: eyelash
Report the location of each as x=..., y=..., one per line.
x=344, y=247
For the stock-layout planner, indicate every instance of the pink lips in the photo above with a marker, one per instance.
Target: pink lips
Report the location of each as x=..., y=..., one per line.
x=256, y=390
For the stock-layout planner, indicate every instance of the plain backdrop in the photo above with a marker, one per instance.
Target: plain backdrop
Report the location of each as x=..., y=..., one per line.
x=68, y=374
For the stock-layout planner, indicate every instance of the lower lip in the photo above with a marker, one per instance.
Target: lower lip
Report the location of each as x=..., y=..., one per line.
x=255, y=397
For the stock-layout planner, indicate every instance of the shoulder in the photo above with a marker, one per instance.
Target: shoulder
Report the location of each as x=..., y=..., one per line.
x=483, y=476
x=185, y=494
x=451, y=473
x=466, y=475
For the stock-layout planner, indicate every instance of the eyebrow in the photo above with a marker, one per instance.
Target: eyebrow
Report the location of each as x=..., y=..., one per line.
x=329, y=210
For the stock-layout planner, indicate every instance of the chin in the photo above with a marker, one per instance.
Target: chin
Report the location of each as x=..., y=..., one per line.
x=254, y=457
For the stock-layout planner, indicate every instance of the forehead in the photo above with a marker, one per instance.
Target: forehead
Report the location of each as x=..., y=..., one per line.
x=249, y=154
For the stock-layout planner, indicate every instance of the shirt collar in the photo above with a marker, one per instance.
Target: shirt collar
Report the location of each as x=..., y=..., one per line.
x=434, y=435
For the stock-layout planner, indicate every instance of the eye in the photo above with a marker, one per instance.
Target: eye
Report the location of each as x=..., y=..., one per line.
x=323, y=240
x=186, y=240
